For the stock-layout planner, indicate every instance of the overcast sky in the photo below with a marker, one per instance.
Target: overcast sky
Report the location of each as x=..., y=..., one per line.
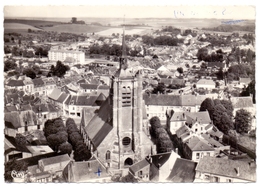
x=221, y=12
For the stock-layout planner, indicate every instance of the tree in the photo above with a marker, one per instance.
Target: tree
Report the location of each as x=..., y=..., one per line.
x=9, y=65
x=250, y=90
x=14, y=165
x=20, y=140
x=54, y=141
x=228, y=106
x=202, y=53
x=220, y=74
x=81, y=153
x=226, y=124
x=207, y=104
x=160, y=88
x=74, y=138
x=243, y=121
x=29, y=73
x=60, y=69
x=29, y=30
x=73, y=20
x=180, y=70
x=65, y=148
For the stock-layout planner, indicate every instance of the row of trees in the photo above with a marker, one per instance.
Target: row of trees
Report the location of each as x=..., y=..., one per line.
x=161, y=40
x=81, y=152
x=65, y=139
x=221, y=113
x=204, y=55
x=57, y=136
x=163, y=141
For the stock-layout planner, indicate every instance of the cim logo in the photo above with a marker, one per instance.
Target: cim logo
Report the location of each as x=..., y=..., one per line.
x=17, y=175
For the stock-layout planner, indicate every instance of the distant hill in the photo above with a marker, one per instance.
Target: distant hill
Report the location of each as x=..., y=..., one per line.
x=35, y=23
x=232, y=28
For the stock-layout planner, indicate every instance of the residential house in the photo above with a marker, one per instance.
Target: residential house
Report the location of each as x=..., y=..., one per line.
x=141, y=169
x=197, y=121
x=90, y=88
x=60, y=102
x=175, y=120
x=54, y=95
x=29, y=86
x=86, y=171
x=244, y=102
x=183, y=171
x=48, y=168
x=39, y=87
x=206, y=84
x=50, y=84
x=211, y=169
x=158, y=104
x=16, y=84
x=74, y=104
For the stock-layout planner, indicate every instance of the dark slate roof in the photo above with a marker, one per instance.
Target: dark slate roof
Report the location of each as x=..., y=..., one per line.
x=211, y=140
x=38, y=82
x=88, y=86
x=183, y=171
x=182, y=130
x=17, y=147
x=52, y=108
x=26, y=107
x=162, y=100
x=40, y=108
x=15, y=83
x=215, y=64
x=80, y=171
x=242, y=102
x=82, y=100
x=101, y=124
x=227, y=168
x=62, y=97
x=139, y=165
x=215, y=132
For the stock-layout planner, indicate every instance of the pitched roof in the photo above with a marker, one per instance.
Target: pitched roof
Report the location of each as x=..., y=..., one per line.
x=227, y=168
x=15, y=83
x=101, y=124
x=84, y=171
x=55, y=94
x=183, y=171
x=85, y=100
x=245, y=80
x=196, y=144
x=38, y=82
x=206, y=82
x=62, y=97
x=56, y=159
x=139, y=165
x=160, y=159
x=201, y=117
x=162, y=100
x=242, y=102
x=40, y=108
x=178, y=116
x=88, y=86
x=212, y=141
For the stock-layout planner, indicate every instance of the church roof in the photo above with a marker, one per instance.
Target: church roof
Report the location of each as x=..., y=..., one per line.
x=101, y=124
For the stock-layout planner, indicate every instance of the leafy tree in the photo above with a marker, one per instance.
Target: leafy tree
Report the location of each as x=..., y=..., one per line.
x=81, y=153
x=9, y=65
x=243, y=121
x=54, y=141
x=226, y=123
x=228, y=106
x=29, y=73
x=65, y=148
x=160, y=88
x=164, y=145
x=60, y=69
x=250, y=89
x=20, y=140
x=74, y=138
x=14, y=165
x=180, y=70
x=220, y=74
x=202, y=53
x=207, y=104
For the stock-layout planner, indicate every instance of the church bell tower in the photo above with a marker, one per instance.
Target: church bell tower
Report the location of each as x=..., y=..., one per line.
x=127, y=111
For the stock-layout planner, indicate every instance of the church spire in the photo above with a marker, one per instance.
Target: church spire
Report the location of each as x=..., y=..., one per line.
x=123, y=58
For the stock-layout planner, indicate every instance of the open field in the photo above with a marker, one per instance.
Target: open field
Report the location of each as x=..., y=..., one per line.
x=128, y=31
x=18, y=28
x=76, y=28
x=34, y=22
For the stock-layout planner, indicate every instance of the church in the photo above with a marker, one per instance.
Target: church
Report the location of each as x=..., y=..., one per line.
x=118, y=134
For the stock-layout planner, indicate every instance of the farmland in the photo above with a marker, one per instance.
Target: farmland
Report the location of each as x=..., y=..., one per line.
x=76, y=28
x=16, y=27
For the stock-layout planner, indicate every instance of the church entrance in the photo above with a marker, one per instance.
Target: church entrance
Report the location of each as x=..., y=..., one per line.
x=128, y=162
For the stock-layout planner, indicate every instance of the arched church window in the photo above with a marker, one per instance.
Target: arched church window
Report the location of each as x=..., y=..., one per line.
x=126, y=141
x=108, y=155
